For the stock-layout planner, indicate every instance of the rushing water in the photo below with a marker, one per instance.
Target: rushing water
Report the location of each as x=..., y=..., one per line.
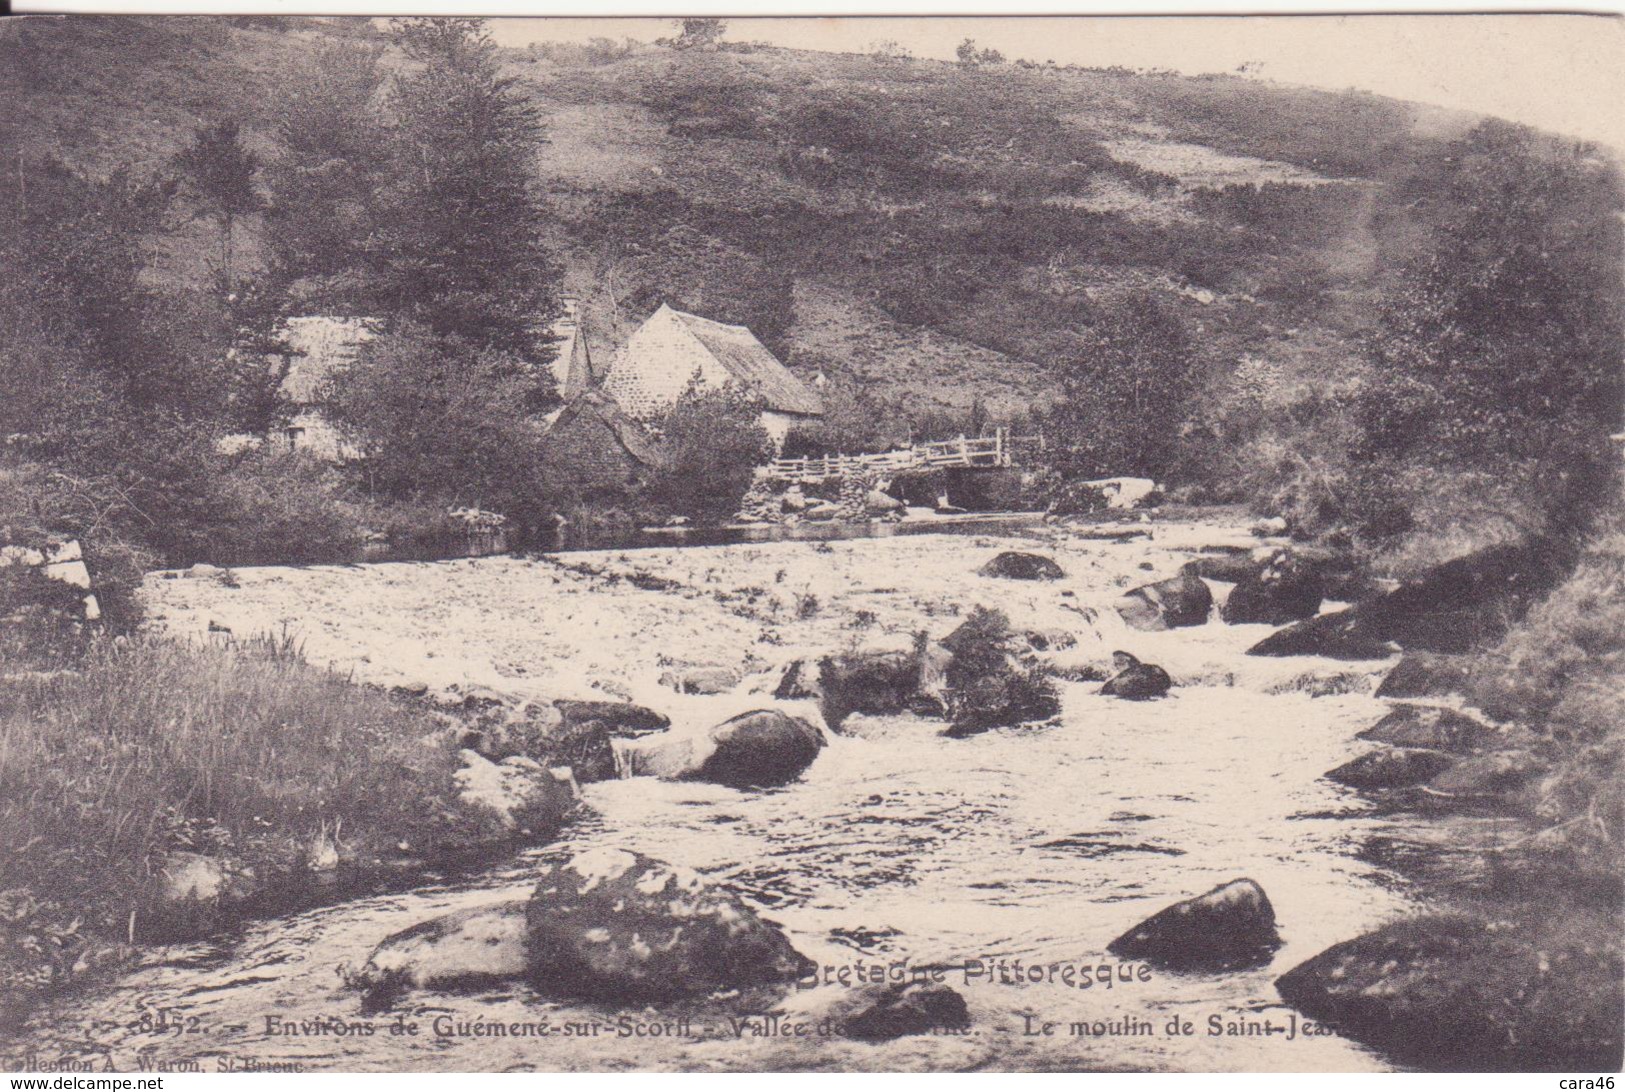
x=1036, y=844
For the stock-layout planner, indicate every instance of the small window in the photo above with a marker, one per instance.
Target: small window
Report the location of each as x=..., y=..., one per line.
x=296, y=435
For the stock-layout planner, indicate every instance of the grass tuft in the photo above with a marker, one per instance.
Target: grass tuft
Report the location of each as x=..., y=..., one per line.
x=239, y=751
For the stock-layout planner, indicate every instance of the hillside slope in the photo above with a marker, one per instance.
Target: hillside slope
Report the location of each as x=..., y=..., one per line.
x=931, y=233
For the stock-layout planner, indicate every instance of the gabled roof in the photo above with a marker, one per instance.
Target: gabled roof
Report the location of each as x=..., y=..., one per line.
x=631, y=435
x=750, y=363
x=321, y=344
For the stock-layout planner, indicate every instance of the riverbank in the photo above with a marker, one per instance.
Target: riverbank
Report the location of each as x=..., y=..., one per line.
x=156, y=790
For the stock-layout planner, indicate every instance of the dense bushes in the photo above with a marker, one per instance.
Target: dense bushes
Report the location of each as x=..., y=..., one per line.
x=439, y=417
x=1561, y=671
x=1499, y=349
x=276, y=510
x=711, y=444
x=1128, y=392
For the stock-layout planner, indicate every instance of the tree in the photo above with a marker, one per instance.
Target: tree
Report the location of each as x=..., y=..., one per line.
x=458, y=243
x=441, y=418
x=712, y=442
x=219, y=172
x=1498, y=356
x=698, y=33
x=1127, y=386
x=325, y=184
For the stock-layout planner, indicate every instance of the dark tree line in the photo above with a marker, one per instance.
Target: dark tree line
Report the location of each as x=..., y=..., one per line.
x=404, y=199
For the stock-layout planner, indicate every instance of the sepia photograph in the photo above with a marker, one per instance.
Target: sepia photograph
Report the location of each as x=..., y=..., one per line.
x=912, y=544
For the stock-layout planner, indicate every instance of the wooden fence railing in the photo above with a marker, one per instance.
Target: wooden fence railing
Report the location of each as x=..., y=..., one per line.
x=987, y=451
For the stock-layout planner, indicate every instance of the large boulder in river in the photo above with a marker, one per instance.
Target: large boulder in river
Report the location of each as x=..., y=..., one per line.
x=1183, y=600
x=577, y=734
x=905, y=1008
x=1230, y=567
x=1430, y=726
x=753, y=750
x=1451, y=607
x=872, y=682
x=759, y=749
x=613, y=925
x=1229, y=927
x=702, y=679
x=1426, y=675
x=1281, y=592
x=525, y=795
x=1455, y=606
x=619, y=718
x=1392, y=768
x=1015, y=565
x=469, y=949
x=1136, y=681
x=1453, y=993
x=1341, y=635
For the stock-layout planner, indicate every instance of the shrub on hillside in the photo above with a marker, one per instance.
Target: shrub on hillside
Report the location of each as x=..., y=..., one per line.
x=1561, y=671
x=1498, y=349
x=696, y=272
x=592, y=53
x=1563, y=666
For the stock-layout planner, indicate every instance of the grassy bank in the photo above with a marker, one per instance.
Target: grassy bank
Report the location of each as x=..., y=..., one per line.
x=273, y=777
x=1561, y=672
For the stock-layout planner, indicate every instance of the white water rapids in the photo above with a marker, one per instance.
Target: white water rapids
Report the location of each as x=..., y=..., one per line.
x=1039, y=844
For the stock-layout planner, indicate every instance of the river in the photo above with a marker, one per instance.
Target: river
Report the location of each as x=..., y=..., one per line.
x=1039, y=844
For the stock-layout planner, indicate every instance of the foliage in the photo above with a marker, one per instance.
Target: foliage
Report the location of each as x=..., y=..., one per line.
x=1561, y=671
x=970, y=56
x=697, y=34
x=440, y=417
x=1128, y=386
x=987, y=687
x=324, y=186
x=220, y=174
x=711, y=443
x=287, y=509
x=457, y=245
x=241, y=751
x=37, y=502
x=1499, y=351
x=591, y=53
x=855, y=421
x=890, y=51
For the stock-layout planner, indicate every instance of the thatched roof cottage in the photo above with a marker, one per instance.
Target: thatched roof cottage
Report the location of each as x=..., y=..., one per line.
x=672, y=348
